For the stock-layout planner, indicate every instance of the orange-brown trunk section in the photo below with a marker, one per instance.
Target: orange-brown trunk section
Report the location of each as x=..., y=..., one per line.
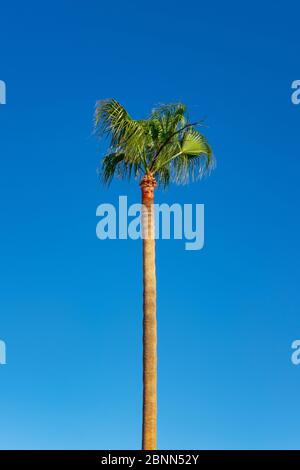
x=148, y=185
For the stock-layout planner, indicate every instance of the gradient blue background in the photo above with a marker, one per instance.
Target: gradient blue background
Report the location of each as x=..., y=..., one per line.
x=70, y=304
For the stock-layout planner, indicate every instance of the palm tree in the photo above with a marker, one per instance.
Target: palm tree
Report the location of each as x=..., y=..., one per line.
x=165, y=147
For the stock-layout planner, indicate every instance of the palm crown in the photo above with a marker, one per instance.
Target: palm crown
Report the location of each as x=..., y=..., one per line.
x=166, y=145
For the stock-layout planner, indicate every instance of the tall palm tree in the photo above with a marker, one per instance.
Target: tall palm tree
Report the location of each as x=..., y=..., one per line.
x=163, y=148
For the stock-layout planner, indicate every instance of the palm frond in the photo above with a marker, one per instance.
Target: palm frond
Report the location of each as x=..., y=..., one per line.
x=194, y=143
x=190, y=158
x=112, y=119
x=128, y=138
x=166, y=144
x=171, y=114
x=116, y=165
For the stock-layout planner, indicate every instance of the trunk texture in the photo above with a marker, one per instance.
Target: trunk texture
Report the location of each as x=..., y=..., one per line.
x=148, y=185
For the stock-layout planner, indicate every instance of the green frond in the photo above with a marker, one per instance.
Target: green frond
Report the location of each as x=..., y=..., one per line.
x=173, y=113
x=115, y=165
x=163, y=177
x=112, y=118
x=128, y=137
x=189, y=158
x=193, y=144
x=169, y=117
x=166, y=144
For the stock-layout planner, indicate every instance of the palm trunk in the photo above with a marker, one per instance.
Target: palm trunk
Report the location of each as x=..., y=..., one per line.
x=148, y=185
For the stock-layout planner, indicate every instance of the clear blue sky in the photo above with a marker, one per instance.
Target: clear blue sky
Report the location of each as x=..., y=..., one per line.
x=70, y=304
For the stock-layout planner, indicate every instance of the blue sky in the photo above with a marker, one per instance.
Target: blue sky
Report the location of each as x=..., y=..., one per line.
x=70, y=304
